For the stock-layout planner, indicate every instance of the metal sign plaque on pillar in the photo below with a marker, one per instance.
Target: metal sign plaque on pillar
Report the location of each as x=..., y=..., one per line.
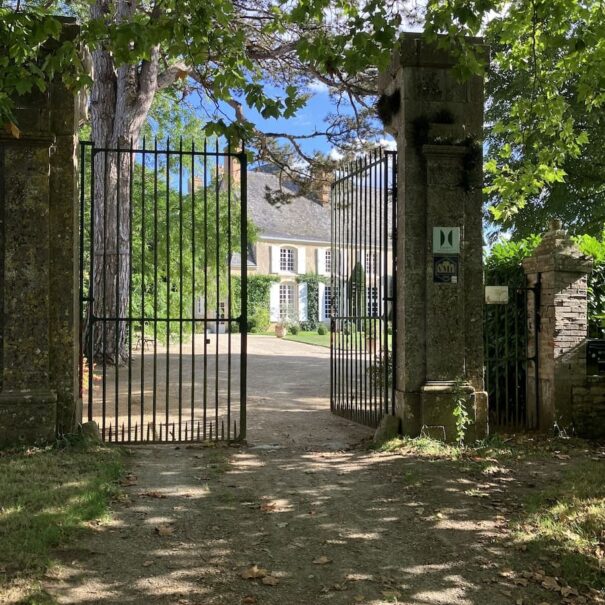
x=446, y=240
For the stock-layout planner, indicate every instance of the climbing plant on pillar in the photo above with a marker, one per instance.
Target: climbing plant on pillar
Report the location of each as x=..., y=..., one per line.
x=312, y=280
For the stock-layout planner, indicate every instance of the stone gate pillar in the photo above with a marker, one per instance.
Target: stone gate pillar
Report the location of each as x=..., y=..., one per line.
x=438, y=123
x=560, y=272
x=39, y=285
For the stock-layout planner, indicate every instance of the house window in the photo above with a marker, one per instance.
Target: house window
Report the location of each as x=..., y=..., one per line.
x=286, y=300
x=371, y=263
x=373, y=302
x=327, y=302
x=328, y=261
x=286, y=259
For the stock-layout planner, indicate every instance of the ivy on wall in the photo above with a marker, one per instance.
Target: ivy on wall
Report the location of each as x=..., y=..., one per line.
x=259, y=291
x=312, y=280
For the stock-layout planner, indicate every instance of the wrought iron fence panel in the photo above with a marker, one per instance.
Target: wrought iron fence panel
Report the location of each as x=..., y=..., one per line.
x=163, y=284
x=363, y=321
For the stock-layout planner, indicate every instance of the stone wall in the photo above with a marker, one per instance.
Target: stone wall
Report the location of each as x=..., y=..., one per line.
x=589, y=408
x=39, y=319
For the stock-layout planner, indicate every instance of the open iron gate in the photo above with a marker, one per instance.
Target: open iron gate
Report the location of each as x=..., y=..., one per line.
x=163, y=289
x=511, y=356
x=363, y=272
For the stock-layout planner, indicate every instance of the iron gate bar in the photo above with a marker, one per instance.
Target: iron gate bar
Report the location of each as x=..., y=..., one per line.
x=507, y=364
x=126, y=161
x=363, y=212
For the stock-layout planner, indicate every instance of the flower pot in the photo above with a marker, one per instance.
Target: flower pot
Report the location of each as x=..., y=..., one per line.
x=371, y=345
x=280, y=331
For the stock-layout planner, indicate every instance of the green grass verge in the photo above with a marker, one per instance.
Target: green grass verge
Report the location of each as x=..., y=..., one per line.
x=310, y=338
x=563, y=523
x=566, y=524
x=47, y=496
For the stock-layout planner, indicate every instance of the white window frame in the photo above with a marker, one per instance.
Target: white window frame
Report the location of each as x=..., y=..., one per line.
x=287, y=308
x=373, y=301
x=328, y=261
x=327, y=302
x=371, y=262
x=287, y=259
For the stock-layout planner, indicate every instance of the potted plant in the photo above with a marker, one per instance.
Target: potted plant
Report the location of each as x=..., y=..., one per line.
x=280, y=328
x=372, y=331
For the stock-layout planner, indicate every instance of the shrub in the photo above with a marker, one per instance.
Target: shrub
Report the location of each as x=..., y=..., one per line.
x=259, y=321
x=373, y=328
x=349, y=328
x=294, y=329
x=322, y=330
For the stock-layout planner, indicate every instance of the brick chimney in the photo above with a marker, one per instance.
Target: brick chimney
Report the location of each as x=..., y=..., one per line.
x=322, y=184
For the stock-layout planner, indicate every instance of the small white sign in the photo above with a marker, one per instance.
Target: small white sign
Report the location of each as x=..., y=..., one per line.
x=446, y=240
x=496, y=295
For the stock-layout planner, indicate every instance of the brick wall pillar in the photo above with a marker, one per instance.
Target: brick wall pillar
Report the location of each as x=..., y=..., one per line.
x=561, y=271
x=39, y=286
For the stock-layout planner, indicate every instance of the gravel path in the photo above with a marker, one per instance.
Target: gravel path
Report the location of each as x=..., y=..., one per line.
x=305, y=509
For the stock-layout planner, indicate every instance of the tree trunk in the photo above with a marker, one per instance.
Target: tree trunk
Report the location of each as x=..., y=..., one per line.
x=120, y=102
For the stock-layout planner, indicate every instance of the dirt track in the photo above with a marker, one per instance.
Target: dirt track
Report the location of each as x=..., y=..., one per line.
x=319, y=514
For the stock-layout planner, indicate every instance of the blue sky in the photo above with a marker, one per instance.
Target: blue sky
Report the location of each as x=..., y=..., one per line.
x=310, y=118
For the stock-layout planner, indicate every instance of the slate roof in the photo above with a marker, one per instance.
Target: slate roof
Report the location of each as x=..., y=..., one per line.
x=302, y=218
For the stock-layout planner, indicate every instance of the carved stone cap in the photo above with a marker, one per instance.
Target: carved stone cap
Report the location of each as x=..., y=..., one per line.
x=557, y=251
x=414, y=50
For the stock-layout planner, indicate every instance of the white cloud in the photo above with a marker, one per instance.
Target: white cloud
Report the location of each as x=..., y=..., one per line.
x=388, y=144
x=335, y=155
x=318, y=87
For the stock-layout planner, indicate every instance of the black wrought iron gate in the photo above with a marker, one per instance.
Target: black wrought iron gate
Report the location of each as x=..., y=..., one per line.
x=163, y=290
x=363, y=272
x=511, y=324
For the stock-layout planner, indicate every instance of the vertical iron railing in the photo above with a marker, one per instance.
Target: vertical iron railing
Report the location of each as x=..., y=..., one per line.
x=364, y=197
x=163, y=298
x=511, y=363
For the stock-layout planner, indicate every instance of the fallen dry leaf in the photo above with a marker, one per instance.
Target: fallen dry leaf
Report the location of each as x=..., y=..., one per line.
x=128, y=480
x=270, y=581
x=164, y=529
x=323, y=560
x=253, y=572
x=550, y=584
x=249, y=600
x=13, y=130
x=147, y=563
x=153, y=495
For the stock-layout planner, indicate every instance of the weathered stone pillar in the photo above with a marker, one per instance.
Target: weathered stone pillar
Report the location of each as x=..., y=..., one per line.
x=438, y=124
x=39, y=327
x=560, y=272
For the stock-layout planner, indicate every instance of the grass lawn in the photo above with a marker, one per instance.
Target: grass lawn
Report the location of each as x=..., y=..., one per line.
x=311, y=338
x=47, y=496
x=354, y=341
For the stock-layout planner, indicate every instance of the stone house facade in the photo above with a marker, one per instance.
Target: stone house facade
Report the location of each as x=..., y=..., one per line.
x=293, y=239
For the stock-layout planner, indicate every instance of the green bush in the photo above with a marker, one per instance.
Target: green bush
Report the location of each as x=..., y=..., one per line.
x=372, y=328
x=259, y=321
x=322, y=330
x=349, y=328
x=294, y=329
x=503, y=267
